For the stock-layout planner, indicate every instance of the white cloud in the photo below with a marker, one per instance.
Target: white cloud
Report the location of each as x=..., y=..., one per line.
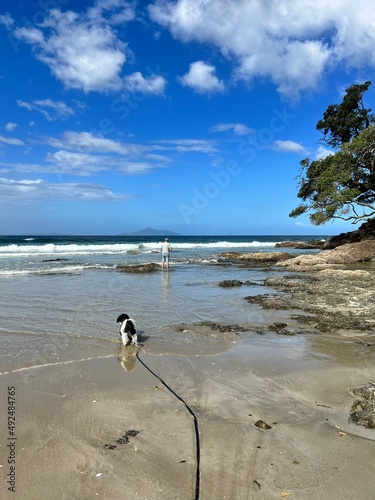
x=83, y=165
x=10, y=126
x=23, y=191
x=290, y=147
x=152, y=85
x=83, y=51
x=201, y=78
x=23, y=104
x=238, y=128
x=65, y=162
x=11, y=141
x=115, y=11
x=135, y=168
x=87, y=142
x=7, y=20
x=52, y=110
x=80, y=54
x=84, y=154
x=291, y=43
x=187, y=145
x=322, y=153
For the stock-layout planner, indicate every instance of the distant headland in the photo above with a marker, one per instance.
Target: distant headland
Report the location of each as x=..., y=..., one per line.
x=149, y=231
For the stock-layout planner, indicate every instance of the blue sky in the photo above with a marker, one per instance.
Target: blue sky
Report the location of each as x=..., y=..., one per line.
x=190, y=116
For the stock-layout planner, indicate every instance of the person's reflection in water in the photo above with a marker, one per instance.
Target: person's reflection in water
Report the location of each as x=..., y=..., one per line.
x=128, y=357
x=166, y=283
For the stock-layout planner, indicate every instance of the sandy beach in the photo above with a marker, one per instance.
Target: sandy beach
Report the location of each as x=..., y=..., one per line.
x=70, y=416
x=238, y=393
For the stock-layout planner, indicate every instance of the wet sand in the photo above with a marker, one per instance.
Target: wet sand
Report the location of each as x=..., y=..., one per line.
x=69, y=417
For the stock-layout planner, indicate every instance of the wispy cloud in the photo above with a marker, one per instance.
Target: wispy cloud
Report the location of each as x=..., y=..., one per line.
x=52, y=110
x=237, y=128
x=84, y=154
x=11, y=140
x=6, y=20
x=290, y=147
x=24, y=191
x=88, y=142
x=187, y=145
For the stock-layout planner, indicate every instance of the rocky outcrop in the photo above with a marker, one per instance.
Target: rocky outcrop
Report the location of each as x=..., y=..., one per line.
x=331, y=300
x=365, y=232
x=220, y=331
x=351, y=253
x=301, y=245
x=253, y=258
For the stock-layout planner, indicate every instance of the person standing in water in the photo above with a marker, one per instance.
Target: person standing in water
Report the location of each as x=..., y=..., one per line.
x=166, y=249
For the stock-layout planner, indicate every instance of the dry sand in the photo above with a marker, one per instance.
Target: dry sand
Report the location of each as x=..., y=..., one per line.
x=66, y=415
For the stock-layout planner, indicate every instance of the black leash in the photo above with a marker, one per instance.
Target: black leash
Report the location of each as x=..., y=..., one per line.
x=197, y=472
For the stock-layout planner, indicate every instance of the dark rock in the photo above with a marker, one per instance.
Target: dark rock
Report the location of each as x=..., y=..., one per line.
x=230, y=283
x=267, y=301
x=280, y=329
x=365, y=232
x=223, y=328
x=367, y=392
x=124, y=439
x=222, y=332
x=262, y=424
x=59, y=259
x=140, y=268
x=366, y=414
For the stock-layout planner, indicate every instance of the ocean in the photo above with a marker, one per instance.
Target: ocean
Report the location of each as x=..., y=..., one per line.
x=61, y=295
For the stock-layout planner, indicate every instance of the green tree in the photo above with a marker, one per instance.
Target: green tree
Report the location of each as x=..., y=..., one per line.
x=342, y=185
x=342, y=122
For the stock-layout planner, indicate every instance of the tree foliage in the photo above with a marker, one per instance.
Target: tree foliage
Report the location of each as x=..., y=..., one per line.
x=342, y=122
x=342, y=185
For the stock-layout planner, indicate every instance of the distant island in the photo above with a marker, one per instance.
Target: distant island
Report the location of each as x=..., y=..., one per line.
x=149, y=231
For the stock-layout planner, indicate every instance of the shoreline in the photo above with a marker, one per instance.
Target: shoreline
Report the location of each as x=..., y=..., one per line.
x=299, y=385
x=271, y=402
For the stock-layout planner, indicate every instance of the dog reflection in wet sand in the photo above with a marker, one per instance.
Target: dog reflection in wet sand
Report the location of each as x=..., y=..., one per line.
x=128, y=357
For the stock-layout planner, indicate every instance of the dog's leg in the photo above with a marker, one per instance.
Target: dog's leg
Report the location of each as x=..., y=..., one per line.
x=125, y=339
x=134, y=339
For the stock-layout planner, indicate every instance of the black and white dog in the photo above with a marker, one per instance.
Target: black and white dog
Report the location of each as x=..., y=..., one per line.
x=127, y=330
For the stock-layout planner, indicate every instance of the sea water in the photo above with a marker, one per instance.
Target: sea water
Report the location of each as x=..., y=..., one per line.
x=61, y=295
